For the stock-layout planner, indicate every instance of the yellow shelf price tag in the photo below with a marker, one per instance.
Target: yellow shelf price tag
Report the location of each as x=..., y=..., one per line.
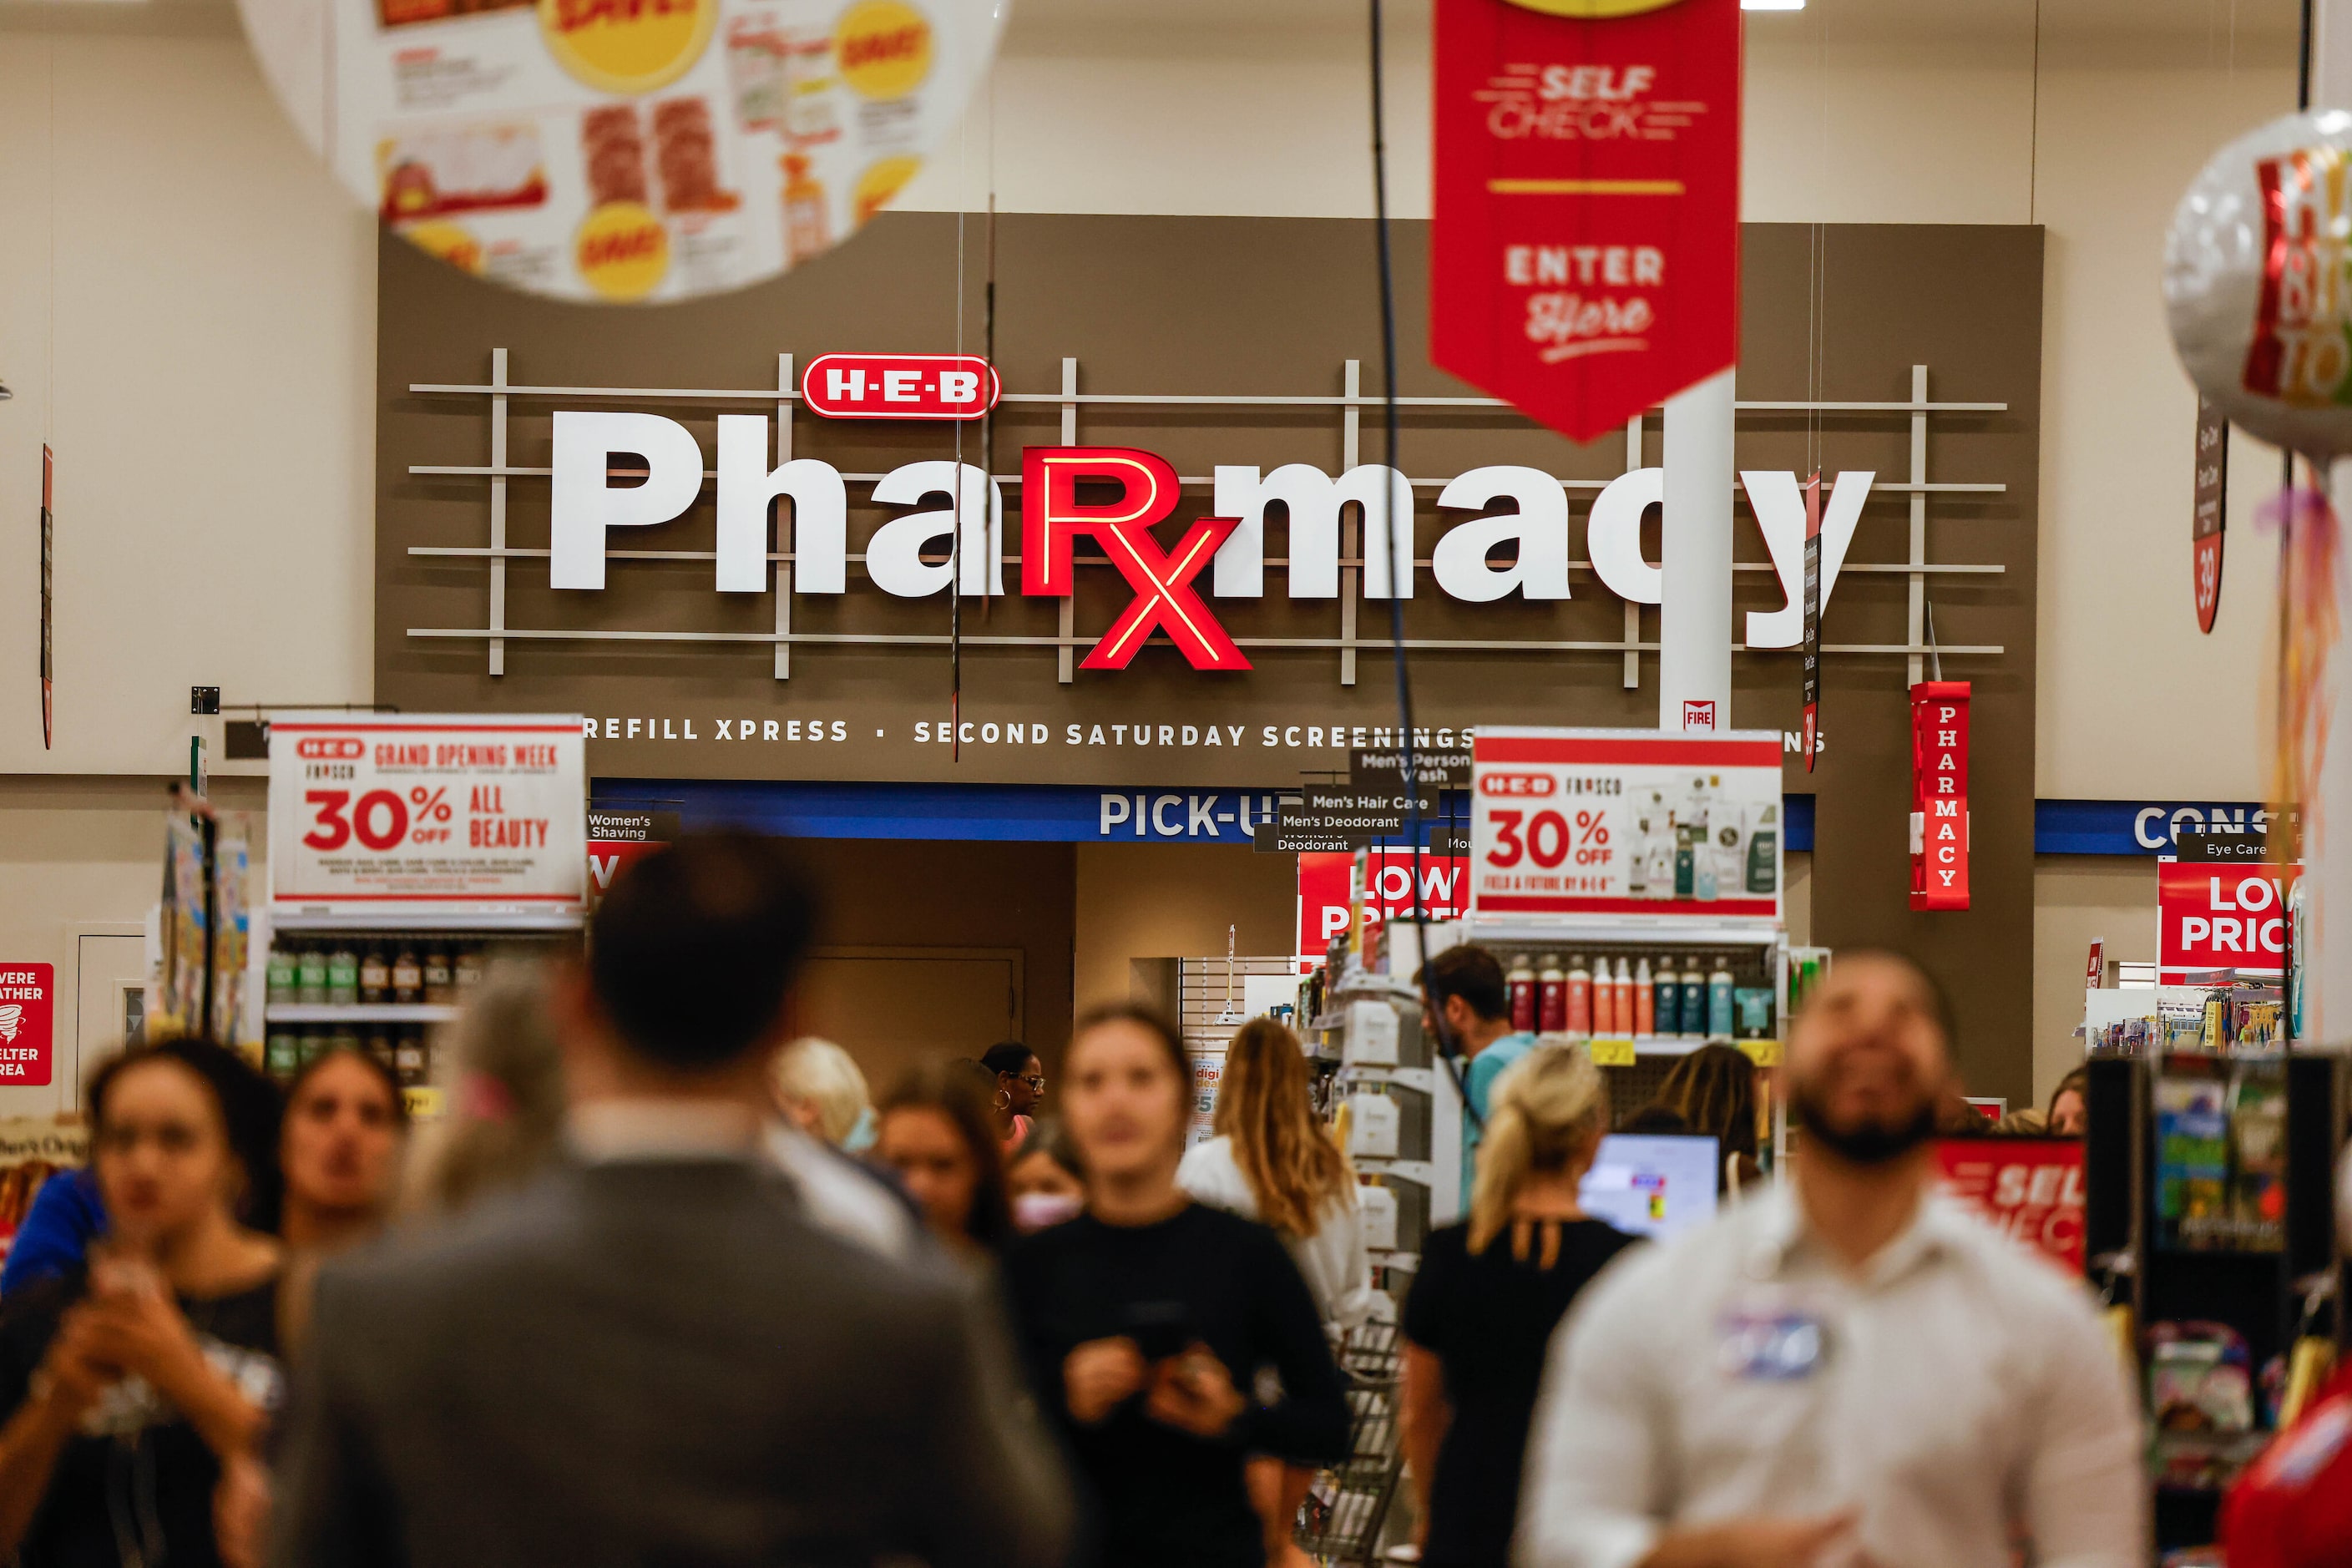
x=424, y=1101
x=1763, y=1053
x=1612, y=1050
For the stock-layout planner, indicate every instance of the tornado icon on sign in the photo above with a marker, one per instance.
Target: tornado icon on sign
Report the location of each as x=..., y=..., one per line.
x=12, y=1017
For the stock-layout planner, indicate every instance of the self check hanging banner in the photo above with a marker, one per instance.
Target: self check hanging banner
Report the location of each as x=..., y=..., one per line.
x=1585, y=265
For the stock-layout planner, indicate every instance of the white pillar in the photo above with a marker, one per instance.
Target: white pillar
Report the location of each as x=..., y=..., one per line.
x=1695, y=618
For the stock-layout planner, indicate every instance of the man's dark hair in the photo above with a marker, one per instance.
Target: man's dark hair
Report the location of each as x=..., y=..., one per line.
x=1472, y=974
x=1006, y=1057
x=1939, y=1003
x=693, y=951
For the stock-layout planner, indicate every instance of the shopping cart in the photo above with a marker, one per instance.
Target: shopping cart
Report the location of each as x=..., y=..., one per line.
x=1347, y=1505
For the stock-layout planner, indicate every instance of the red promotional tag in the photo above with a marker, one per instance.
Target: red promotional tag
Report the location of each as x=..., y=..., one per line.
x=1585, y=260
x=27, y=1007
x=1940, y=795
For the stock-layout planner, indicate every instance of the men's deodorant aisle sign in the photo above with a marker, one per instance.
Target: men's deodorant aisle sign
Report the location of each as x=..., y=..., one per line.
x=1626, y=822
x=624, y=150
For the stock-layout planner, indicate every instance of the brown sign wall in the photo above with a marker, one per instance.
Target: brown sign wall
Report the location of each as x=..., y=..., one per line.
x=1232, y=307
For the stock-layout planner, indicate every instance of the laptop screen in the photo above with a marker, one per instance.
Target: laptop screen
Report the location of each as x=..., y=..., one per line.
x=1652, y=1186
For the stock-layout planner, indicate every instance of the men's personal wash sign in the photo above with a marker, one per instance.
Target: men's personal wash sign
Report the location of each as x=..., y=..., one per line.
x=1940, y=795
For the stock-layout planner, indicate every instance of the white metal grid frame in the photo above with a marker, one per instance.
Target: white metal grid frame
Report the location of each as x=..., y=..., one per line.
x=1917, y=488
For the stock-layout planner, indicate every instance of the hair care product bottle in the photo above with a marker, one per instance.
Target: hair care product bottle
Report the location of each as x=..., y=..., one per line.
x=465, y=968
x=1645, y=1002
x=375, y=976
x=1521, y=984
x=1620, y=999
x=1563, y=997
x=1686, y=862
x=1605, y=998
x=1704, y=882
x=343, y=975
x=407, y=975
x=1718, y=1001
x=1694, y=988
x=1764, y=852
x=1666, y=1006
x=311, y=974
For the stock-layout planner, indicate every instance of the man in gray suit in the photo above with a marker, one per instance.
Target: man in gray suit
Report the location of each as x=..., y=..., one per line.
x=651, y=1355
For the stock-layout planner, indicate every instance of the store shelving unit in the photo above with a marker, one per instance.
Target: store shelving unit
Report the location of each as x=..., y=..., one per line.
x=2270, y=1285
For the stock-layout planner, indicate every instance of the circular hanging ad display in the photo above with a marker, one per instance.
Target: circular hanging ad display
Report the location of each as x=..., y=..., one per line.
x=624, y=150
x=2255, y=289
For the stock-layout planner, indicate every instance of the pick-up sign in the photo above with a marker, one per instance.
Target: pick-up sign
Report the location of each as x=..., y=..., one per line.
x=900, y=386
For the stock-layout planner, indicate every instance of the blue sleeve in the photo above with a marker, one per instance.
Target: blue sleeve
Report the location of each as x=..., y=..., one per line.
x=66, y=1216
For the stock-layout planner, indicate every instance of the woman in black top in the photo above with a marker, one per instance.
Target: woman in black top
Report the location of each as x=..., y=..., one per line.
x=1149, y=1319
x=126, y=1385
x=1487, y=1297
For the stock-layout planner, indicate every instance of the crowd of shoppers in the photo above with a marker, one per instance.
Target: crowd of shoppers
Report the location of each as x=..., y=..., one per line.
x=669, y=1286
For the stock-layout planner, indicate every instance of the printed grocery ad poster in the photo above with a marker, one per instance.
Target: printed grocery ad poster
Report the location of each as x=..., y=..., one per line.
x=626, y=150
x=32, y=1150
x=374, y=814
x=1626, y=822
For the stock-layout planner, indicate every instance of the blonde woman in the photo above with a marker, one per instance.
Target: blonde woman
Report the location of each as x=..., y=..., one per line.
x=1273, y=1160
x=1487, y=1297
x=824, y=1094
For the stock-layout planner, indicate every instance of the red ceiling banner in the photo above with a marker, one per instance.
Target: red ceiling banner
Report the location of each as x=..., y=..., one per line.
x=1585, y=263
x=1940, y=795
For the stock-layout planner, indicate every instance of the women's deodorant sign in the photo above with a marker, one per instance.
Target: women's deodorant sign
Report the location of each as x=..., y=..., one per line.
x=1614, y=822
x=624, y=150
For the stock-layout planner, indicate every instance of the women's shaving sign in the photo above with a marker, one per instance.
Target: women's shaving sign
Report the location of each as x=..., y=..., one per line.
x=1616, y=822
x=624, y=150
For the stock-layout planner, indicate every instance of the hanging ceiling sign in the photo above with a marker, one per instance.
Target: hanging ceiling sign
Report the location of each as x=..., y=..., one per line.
x=1585, y=252
x=1940, y=795
x=2210, y=513
x=618, y=151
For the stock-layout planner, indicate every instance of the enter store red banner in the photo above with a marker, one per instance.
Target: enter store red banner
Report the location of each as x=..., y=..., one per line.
x=2220, y=916
x=1585, y=260
x=2029, y=1189
x=1323, y=885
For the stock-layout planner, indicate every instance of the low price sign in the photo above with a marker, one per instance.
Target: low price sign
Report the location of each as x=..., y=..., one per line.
x=381, y=814
x=2223, y=914
x=1324, y=882
x=1626, y=822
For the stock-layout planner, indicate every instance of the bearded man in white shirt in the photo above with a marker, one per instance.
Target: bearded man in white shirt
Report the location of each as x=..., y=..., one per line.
x=1847, y=1370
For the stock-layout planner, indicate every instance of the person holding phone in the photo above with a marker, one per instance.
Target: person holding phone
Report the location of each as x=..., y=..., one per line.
x=1149, y=1323
x=130, y=1382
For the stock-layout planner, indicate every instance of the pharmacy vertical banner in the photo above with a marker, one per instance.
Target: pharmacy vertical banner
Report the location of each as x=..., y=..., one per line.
x=394, y=814
x=1940, y=795
x=1567, y=822
x=1585, y=257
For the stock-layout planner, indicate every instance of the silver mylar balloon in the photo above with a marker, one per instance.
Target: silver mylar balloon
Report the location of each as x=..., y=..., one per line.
x=2256, y=287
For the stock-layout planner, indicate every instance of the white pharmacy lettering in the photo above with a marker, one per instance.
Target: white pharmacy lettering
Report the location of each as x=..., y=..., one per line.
x=1530, y=522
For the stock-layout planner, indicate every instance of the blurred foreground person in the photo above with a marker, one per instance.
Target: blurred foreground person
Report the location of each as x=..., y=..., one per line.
x=823, y=1093
x=1844, y=1368
x=503, y=1085
x=936, y=1134
x=1487, y=1297
x=1149, y=1319
x=129, y=1381
x=648, y=1354
x=339, y=1152
x=1045, y=1178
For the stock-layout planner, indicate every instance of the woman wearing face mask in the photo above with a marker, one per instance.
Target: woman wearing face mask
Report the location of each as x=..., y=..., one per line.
x=1045, y=1179
x=1148, y=1319
x=935, y=1133
x=127, y=1382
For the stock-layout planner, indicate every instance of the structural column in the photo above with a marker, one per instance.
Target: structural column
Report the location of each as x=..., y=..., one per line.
x=1694, y=617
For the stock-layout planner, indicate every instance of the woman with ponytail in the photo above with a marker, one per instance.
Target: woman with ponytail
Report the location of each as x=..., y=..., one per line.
x=1487, y=1297
x=1274, y=1160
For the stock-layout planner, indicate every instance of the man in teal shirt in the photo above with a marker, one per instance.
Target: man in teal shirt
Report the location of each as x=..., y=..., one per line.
x=1468, y=987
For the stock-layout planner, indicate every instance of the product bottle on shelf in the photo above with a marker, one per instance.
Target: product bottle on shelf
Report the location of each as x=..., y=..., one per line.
x=1520, y=985
x=283, y=1055
x=1564, y=999
x=375, y=976
x=343, y=975
x=1666, y=1009
x=380, y=1043
x=465, y=968
x=408, y=1053
x=439, y=989
x=311, y=974
x=1694, y=1008
x=1718, y=1001
x=1603, y=1020
x=1620, y=999
x=1645, y=1004
x=407, y=975
x=1763, y=849
x=285, y=976
x=1704, y=882
x=1685, y=858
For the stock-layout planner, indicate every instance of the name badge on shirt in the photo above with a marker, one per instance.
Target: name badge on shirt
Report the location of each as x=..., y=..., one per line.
x=1773, y=1345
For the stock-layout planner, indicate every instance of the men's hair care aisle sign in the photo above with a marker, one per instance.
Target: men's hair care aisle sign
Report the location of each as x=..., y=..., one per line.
x=1610, y=822
x=405, y=815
